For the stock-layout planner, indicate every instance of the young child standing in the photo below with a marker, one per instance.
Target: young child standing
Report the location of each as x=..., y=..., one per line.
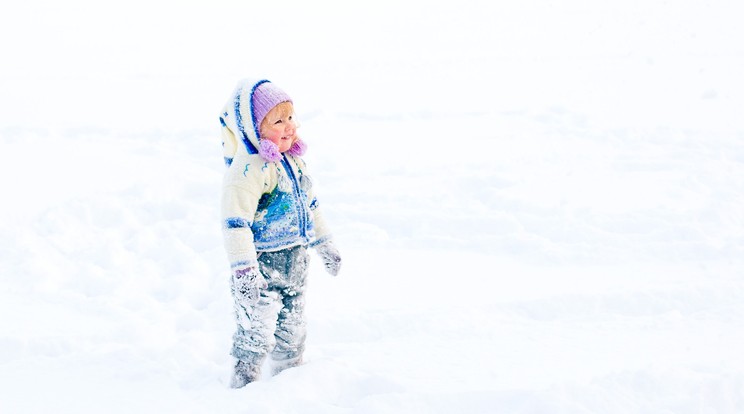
x=270, y=218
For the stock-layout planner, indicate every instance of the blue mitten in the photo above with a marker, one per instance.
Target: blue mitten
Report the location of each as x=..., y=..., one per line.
x=330, y=256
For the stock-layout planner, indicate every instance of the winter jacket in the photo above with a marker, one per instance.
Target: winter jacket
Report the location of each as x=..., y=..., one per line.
x=266, y=206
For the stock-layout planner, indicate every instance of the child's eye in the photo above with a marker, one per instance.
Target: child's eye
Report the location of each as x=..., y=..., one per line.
x=278, y=121
x=290, y=117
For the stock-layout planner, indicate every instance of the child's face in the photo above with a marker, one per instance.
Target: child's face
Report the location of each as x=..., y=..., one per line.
x=279, y=126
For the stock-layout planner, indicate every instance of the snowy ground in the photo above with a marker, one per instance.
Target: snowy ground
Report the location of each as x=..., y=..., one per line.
x=540, y=207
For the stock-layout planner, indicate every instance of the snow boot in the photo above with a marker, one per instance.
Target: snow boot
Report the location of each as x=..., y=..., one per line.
x=243, y=375
x=278, y=367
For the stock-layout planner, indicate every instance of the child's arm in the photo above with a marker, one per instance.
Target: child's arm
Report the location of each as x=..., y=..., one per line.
x=322, y=243
x=322, y=231
x=242, y=190
x=238, y=210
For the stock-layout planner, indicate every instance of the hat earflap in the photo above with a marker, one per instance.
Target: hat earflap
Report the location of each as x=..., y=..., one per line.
x=269, y=151
x=298, y=148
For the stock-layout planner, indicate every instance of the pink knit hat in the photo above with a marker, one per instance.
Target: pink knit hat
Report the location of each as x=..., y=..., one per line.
x=265, y=97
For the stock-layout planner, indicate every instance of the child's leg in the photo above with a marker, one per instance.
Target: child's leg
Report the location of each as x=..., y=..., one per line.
x=290, y=334
x=289, y=276
x=254, y=335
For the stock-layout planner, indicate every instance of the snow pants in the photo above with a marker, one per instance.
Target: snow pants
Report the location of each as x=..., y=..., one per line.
x=276, y=324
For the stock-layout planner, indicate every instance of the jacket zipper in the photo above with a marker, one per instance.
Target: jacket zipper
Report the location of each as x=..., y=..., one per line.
x=298, y=196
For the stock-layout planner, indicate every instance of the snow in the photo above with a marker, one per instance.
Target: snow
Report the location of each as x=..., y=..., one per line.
x=540, y=205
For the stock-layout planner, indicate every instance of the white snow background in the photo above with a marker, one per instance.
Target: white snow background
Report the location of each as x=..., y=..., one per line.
x=540, y=205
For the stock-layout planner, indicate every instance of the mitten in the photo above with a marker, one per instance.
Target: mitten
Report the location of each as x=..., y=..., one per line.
x=247, y=285
x=330, y=256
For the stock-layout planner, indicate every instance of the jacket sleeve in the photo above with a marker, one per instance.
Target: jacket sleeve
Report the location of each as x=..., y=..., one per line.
x=241, y=192
x=322, y=231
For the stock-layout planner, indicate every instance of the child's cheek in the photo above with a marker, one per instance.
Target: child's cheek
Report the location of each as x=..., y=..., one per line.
x=276, y=140
x=273, y=136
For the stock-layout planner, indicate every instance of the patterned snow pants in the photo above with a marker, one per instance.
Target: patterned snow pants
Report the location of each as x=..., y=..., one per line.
x=276, y=324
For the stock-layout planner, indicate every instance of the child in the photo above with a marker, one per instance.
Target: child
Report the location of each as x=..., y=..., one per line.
x=270, y=218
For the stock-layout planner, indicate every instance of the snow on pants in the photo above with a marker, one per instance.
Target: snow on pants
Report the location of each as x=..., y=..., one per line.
x=276, y=324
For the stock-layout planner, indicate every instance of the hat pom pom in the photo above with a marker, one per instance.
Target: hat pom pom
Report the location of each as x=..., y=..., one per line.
x=269, y=151
x=298, y=148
